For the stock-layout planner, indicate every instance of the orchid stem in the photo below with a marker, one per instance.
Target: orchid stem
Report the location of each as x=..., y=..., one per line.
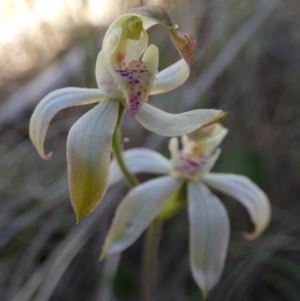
x=150, y=254
x=153, y=232
x=117, y=147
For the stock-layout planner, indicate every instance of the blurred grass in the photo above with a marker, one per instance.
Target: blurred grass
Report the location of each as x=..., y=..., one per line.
x=41, y=247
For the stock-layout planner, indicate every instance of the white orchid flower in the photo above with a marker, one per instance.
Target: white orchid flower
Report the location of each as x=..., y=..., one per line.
x=209, y=223
x=123, y=78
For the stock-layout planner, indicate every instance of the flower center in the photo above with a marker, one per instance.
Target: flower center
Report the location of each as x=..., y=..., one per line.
x=188, y=167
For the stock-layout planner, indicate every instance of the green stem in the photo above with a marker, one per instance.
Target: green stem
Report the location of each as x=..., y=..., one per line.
x=150, y=261
x=153, y=232
x=117, y=147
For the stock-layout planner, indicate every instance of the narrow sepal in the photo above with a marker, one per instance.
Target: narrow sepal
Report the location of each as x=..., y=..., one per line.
x=51, y=105
x=88, y=153
x=170, y=125
x=209, y=235
x=248, y=193
x=141, y=205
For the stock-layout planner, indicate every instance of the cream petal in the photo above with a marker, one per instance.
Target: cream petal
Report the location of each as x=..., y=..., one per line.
x=141, y=205
x=139, y=160
x=209, y=235
x=52, y=104
x=166, y=124
x=88, y=153
x=105, y=80
x=249, y=194
x=171, y=77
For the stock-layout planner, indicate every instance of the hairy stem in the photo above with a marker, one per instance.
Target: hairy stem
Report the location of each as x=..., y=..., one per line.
x=117, y=147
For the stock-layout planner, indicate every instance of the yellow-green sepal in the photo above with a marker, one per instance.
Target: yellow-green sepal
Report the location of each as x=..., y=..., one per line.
x=88, y=153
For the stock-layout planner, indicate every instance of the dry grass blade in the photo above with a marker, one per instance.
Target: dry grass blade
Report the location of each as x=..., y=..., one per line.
x=27, y=260
x=249, y=268
x=107, y=279
x=54, y=77
x=56, y=194
x=231, y=50
x=55, y=266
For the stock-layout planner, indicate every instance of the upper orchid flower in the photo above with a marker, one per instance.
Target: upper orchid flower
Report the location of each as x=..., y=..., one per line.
x=128, y=68
x=209, y=223
x=124, y=78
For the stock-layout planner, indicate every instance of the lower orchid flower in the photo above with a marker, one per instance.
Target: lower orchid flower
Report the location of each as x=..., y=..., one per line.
x=126, y=74
x=209, y=222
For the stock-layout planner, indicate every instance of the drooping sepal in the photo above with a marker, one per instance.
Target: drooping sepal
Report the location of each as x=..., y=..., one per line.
x=88, y=153
x=141, y=205
x=171, y=125
x=248, y=193
x=50, y=105
x=209, y=236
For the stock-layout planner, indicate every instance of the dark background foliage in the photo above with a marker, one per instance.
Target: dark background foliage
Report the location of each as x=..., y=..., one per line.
x=248, y=63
